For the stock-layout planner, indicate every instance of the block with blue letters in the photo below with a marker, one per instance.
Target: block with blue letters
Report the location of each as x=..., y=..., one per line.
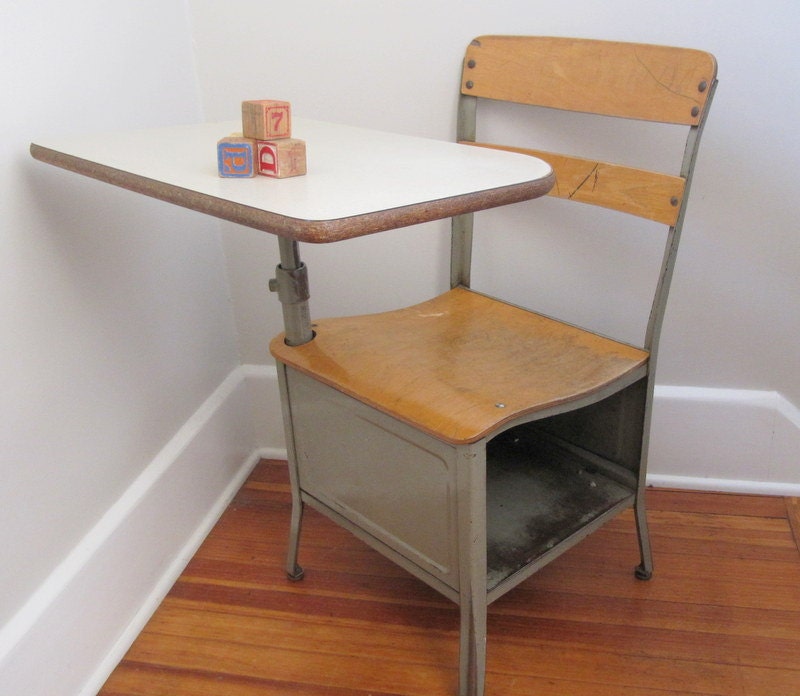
x=237, y=157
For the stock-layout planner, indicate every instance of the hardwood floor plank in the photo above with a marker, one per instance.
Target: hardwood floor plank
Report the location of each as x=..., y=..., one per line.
x=659, y=643
x=720, y=617
x=421, y=667
x=697, y=540
x=793, y=514
x=715, y=503
x=763, y=625
x=720, y=641
x=142, y=679
x=317, y=634
x=311, y=603
x=145, y=680
x=275, y=662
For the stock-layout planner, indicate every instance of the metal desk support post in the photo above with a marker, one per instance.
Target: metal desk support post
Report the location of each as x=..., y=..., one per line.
x=291, y=284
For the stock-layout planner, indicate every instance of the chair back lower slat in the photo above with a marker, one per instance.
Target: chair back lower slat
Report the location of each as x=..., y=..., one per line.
x=640, y=81
x=647, y=194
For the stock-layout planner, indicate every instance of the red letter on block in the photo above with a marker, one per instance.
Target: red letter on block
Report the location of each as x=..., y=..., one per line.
x=266, y=119
x=236, y=157
x=282, y=158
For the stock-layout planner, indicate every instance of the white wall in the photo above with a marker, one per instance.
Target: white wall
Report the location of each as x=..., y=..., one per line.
x=123, y=415
x=732, y=319
x=732, y=324
x=115, y=321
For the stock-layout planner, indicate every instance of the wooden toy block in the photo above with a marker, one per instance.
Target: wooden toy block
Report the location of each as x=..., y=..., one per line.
x=282, y=158
x=236, y=157
x=266, y=119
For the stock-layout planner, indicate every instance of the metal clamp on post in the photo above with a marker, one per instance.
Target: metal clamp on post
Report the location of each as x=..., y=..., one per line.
x=291, y=285
x=293, y=293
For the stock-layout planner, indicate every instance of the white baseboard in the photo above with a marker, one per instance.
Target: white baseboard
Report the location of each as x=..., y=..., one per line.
x=78, y=624
x=738, y=441
x=75, y=628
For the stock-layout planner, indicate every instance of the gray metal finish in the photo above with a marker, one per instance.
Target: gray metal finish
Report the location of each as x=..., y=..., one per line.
x=668, y=265
x=461, y=251
x=291, y=284
x=630, y=433
x=393, y=482
x=461, y=236
x=472, y=521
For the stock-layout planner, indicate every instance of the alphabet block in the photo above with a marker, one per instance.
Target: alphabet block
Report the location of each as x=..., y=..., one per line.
x=266, y=119
x=282, y=158
x=236, y=157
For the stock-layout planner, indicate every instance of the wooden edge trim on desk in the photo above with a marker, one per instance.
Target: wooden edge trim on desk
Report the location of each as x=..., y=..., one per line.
x=312, y=231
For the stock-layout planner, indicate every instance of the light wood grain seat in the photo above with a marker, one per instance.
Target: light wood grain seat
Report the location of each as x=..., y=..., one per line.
x=462, y=364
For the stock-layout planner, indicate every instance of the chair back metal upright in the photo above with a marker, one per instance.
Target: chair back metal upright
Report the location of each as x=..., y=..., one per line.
x=646, y=82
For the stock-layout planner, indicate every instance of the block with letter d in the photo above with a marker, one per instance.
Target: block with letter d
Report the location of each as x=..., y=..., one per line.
x=236, y=157
x=282, y=158
x=266, y=119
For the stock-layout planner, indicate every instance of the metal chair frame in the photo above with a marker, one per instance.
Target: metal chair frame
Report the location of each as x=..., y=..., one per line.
x=450, y=510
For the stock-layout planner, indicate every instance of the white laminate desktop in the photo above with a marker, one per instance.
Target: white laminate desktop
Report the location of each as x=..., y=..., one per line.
x=359, y=180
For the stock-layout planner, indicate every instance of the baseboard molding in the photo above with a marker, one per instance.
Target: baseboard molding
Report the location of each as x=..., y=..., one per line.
x=77, y=625
x=75, y=628
x=718, y=485
x=730, y=440
x=739, y=441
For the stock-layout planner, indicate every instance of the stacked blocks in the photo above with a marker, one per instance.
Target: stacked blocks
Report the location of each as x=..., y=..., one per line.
x=265, y=146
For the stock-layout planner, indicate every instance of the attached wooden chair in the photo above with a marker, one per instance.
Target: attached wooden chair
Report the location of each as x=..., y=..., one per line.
x=470, y=440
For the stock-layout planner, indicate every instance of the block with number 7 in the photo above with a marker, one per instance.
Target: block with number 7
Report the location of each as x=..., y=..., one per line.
x=266, y=119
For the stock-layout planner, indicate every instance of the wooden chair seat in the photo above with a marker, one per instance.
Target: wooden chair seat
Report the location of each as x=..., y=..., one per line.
x=461, y=365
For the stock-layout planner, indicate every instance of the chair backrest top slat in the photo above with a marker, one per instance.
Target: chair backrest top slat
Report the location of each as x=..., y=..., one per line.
x=640, y=81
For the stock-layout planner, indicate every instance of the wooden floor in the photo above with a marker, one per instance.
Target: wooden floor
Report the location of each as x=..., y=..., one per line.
x=720, y=616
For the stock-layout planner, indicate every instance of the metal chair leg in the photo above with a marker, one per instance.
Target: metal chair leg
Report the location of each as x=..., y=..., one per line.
x=472, y=650
x=293, y=570
x=644, y=571
x=471, y=462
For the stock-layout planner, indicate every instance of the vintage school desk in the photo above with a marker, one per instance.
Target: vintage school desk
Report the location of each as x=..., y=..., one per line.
x=403, y=493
